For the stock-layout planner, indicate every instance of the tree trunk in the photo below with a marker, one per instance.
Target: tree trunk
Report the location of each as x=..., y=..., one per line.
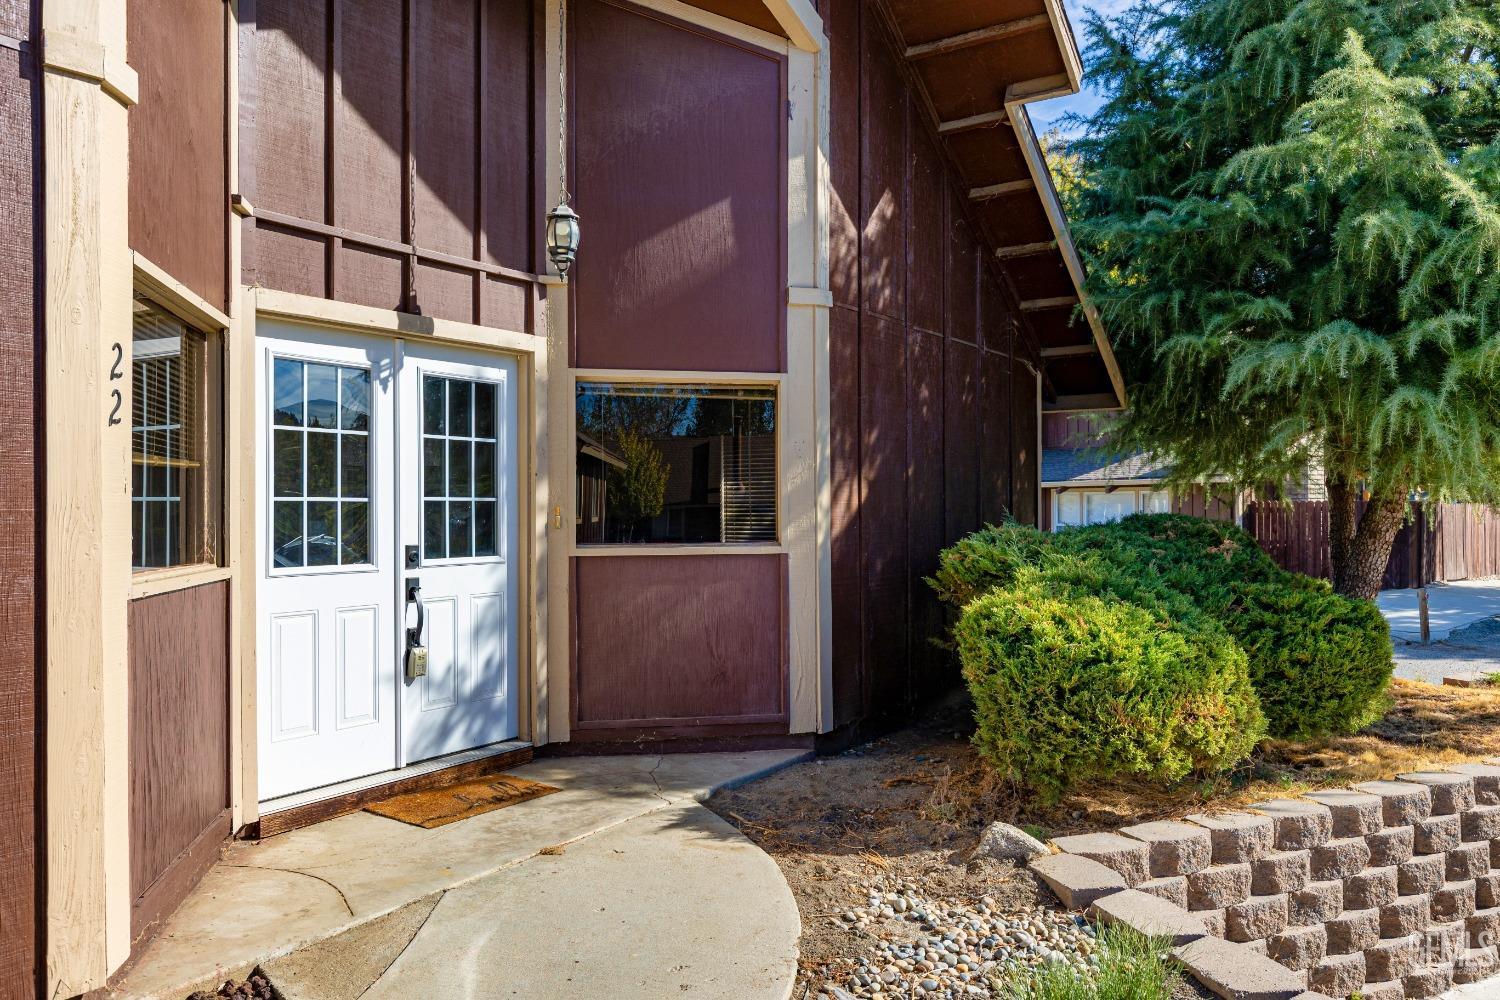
x=1364, y=557
x=1343, y=520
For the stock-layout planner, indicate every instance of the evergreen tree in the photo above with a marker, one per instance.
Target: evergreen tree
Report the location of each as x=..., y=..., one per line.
x=638, y=491
x=1291, y=210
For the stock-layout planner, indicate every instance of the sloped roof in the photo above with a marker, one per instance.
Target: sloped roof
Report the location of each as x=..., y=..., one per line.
x=1090, y=467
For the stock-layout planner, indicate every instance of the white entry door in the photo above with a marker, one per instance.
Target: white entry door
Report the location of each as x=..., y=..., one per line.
x=326, y=543
x=381, y=463
x=458, y=517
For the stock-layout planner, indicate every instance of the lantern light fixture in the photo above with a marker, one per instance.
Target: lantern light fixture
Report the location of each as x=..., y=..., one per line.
x=562, y=221
x=562, y=236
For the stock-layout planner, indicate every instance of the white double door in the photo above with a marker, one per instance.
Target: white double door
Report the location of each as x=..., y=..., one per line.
x=382, y=466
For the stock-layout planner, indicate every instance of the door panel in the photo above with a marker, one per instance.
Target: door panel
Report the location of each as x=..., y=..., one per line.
x=326, y=541
x=339, y=416
x=459, y=505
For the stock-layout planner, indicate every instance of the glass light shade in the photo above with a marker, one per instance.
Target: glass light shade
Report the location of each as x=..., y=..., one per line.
x=562, y=236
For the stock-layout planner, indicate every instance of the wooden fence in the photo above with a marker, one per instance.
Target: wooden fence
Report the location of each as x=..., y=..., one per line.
x=1450, y=541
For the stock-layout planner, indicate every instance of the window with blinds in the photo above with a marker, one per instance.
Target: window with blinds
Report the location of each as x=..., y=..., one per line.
x=675, y=464
x=175, y=441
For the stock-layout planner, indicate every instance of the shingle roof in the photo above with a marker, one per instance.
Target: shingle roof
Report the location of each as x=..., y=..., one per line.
x=1086, y=465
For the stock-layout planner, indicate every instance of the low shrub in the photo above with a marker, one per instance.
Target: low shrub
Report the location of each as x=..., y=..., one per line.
x=988, y=558
x=1202, y=559
x=1069, y=686
x=1320, y=662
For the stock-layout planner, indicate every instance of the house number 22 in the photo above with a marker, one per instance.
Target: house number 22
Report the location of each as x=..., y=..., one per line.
x=116, y=372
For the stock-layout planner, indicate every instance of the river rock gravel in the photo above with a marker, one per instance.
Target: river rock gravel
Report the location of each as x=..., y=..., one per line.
x=942, y=949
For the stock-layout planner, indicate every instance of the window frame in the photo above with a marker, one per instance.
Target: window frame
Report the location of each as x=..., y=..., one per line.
x=157, y=289
x=1137, y=493
x=774, y=382
x=377, y=562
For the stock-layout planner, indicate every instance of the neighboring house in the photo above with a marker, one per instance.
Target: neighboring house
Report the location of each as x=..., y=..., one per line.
x=1085, y=482
x=314, y=394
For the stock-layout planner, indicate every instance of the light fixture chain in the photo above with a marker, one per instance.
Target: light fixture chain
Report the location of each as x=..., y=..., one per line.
x=562, y=97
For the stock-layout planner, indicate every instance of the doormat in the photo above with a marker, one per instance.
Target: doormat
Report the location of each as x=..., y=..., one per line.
x=440, y=806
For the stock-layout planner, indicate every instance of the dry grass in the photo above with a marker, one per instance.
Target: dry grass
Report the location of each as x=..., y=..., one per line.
x=1427, y=726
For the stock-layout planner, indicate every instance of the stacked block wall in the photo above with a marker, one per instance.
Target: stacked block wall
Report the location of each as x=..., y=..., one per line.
x=1389, y=889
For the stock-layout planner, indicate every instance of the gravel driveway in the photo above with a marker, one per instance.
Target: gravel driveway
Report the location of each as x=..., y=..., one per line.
x=1475, y=647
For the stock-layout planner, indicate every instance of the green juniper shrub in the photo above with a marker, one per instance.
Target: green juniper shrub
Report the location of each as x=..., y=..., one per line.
x=1197, y=557
x=1180, y=566
x=1321, y=662
x=990, y=557
x=1069, y=686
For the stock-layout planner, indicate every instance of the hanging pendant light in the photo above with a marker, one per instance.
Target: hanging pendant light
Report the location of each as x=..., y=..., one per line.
x=562, y=221
x=562, y=235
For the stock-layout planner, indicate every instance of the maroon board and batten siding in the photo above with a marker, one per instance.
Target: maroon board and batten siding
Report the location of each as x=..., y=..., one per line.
x=179, y=193
x=679, y=173
x=933, y=420
x=20, y=509
x=670, y=646
x=680, y=176
x=390, y=151
x=179, y=745
x=178, y=650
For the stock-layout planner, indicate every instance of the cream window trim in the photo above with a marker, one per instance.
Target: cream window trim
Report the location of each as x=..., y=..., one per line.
x=151, y=583
x=680, y=549
x=388, y=322
x=768, y=380
x=176, y=297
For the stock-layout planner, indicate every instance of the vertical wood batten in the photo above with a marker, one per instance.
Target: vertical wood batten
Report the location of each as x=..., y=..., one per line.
x=333, y=100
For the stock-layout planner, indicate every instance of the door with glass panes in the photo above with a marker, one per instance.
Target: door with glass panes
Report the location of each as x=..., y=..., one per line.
x=457, y=485
x=382, y=465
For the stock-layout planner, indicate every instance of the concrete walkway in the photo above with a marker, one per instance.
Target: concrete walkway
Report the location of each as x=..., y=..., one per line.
x=651, y=896
x=1450, y=606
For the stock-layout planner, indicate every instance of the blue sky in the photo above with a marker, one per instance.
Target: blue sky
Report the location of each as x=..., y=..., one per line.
x=1045, y=113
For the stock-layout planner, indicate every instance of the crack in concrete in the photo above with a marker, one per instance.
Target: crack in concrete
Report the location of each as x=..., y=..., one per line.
x=397, y=957
x=296, y=871
x=652, y=773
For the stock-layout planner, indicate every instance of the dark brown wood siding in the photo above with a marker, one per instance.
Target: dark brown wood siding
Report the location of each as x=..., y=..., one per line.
x=20, y=548
x=930, y=413
x=179, y=196
x=679, y=153
x=390, y=151
x=672, y=645
x=179, y=745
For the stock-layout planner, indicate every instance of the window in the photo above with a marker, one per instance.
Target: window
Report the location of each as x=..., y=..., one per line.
x=460, y=452
x=1097, y=506
x=1156, y=502
x=676, y=463
x=320, y=455
x=176, y=441
x=1101, y=508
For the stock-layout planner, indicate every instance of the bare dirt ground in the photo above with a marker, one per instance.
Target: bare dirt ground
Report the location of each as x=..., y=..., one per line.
x=909, y=807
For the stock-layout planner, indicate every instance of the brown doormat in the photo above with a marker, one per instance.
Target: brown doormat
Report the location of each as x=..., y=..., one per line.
x=451, y=803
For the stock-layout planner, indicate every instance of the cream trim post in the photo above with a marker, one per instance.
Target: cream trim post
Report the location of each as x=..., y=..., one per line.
x=239, y=474
x=800, y=22
x=87, y=89
x=803, y=402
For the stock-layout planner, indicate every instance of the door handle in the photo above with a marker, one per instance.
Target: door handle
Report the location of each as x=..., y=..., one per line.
x=416, y=653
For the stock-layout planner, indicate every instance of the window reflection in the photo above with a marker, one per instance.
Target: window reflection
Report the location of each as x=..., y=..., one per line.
x=683, y=464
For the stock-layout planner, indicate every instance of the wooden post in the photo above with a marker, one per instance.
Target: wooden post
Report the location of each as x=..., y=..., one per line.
x=1422, y=611
x=87, y=88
